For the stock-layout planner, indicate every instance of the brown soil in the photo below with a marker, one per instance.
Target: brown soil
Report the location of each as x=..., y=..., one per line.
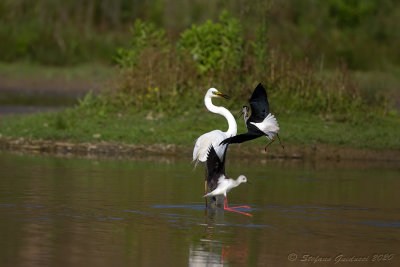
x=242, y=152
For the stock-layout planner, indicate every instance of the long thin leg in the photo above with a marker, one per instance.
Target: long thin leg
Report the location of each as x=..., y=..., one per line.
x=241, y=212
x=233, y=210
x=272, y=140
x=205, y=186
x=283, y=147
x=205, y=191
x=241, y=207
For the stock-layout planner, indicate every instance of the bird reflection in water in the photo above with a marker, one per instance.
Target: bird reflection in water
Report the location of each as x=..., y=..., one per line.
x=211, y=251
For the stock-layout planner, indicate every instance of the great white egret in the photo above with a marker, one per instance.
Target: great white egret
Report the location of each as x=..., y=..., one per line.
x=260, y=123
x=214, y=138
x=218, y=182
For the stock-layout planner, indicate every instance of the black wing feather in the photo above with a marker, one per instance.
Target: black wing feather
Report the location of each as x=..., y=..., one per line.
x=259, y=104
x=215, y=167
x=241, y=138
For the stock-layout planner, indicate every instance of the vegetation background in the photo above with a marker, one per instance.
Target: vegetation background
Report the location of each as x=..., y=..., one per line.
x=334, y=62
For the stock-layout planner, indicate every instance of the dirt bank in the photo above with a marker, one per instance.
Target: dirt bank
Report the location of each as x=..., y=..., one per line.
x=244, y=152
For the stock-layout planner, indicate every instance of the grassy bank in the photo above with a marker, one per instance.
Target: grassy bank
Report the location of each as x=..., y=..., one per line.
x=157, y=97
x=145, y=128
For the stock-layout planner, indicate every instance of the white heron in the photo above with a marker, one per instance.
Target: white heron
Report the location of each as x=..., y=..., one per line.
x=215, y=137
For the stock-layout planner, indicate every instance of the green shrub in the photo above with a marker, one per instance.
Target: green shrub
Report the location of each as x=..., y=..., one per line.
x=161, y=77
x=214, y=46
x=144, y=35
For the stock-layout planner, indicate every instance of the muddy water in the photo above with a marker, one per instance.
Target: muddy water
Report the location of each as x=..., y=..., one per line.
x=84, y=212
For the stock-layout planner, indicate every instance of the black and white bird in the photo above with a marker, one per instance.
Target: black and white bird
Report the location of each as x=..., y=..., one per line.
x=261, y=121
x=218, y=182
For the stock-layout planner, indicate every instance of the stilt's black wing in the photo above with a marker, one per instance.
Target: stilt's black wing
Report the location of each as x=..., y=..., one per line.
x=240, y=138
x=215, y=167
x=259, y=104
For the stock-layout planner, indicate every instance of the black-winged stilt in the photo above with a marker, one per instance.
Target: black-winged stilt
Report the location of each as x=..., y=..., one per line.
x=218, y=182
x=260, y=123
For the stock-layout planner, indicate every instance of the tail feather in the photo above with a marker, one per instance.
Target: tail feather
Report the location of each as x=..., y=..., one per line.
x=209, y=195
x=269, y=124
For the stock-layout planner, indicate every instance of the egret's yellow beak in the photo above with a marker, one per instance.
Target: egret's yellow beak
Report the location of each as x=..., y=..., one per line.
x=223, y=95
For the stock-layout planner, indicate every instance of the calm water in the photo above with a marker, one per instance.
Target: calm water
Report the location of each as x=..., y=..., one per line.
x=86, y=212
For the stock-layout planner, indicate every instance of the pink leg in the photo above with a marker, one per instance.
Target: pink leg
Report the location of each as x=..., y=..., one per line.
x=241, y=207
x=241, y=212
x=233, y=209
x=283, y=147
x=272, y=140
x=226, y=203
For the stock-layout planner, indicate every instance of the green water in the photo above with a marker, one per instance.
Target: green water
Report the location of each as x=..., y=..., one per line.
x=149, y=212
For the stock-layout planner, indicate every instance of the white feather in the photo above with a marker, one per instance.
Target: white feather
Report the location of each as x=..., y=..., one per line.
x=225, y=185
x=204, y=142
x=214, y=138
x=269, y=126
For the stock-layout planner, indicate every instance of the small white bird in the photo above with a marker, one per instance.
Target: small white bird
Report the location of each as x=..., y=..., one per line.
x=218, y=182
x=260, y=123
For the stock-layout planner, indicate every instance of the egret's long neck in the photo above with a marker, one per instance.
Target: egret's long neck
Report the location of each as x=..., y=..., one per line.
x=232, y=130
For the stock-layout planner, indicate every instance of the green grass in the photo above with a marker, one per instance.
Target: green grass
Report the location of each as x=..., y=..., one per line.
x=76, y=125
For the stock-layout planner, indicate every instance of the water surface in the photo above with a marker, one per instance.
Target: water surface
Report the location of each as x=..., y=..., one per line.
x=108, y=212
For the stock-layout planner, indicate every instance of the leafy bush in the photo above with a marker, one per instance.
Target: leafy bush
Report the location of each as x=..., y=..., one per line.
x=214, y=46
x=159, y=76
x=144, y=35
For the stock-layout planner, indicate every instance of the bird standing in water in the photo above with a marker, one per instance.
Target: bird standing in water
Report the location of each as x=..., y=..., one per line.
x=260, y=122
x=215, y=137
x=219, y=183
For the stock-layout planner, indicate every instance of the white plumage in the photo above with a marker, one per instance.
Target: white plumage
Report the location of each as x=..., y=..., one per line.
x=214, y=137
x=225, y=185
x=269, y=126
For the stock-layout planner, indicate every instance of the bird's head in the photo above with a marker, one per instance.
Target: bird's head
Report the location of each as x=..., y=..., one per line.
x=244, y=111
x=242, y=179
x=212, y=92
